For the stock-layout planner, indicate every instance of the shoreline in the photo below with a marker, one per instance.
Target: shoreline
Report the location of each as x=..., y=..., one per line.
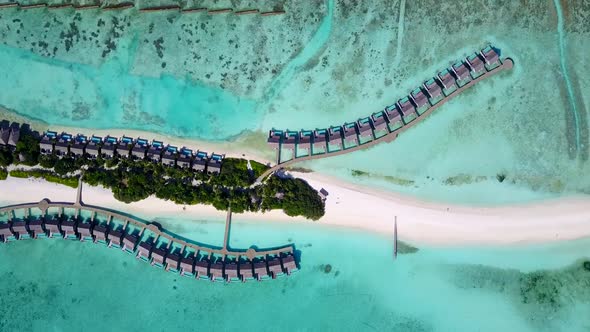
x=358, y=208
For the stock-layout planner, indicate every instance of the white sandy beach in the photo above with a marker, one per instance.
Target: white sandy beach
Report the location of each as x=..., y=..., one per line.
x=352, y=206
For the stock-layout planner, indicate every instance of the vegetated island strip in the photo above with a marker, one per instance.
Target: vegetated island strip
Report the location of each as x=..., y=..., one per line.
x=134, y=180
x=386, y=125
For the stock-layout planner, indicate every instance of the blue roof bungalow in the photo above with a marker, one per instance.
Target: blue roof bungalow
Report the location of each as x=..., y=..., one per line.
x=491, y=57
x=290, y=139
x=433, y=90
x=461, y=73
x=155, y=151
x=379, y=120
x=78, y=147
x=47, y=141
x=93, y=146
x=200, y=161
x=394, y=117
x=140, y=148
x=62, y=146
x=274, y=138
x=169, y=156
x=185, y=157
x=365, y=130
x=320, y=137
x=475, y=62
x=125, y=146
x=109, y=147
x=214, y=165
x=420, y=100
x=351, y=134
x=335, y=136
x=407, y=110
x=447, y=81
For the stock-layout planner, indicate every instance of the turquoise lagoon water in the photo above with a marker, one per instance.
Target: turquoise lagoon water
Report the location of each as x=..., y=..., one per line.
x=62, y=285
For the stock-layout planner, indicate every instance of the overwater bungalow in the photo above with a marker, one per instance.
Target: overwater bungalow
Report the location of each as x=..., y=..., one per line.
x=407, y=110
x=320, y=137
x=78, y=147
x=4, y=132
x=260, y=269
x=129, y=242
x=335, y=136
x=305, y=138
x=351, y=133
x=394, y=117
x=491, y=57
x=289, y=263
x=245, y=271
x=169, y=156
x=420, y=100
x=187, y=265
x=159, y=256
x=99, y=233
x=172, y=261
x=36, y=228
x=144, y=250
x=140, y=148
x=448, y=82
x=185, y=158
x=365, y=130
x=62, y=146
x=93, y=147
x=52, y=227
x=202, y=268
x=67, y=227
x=200, y=161
x=125, y=146
x=114, y=239
x=216, y=270
x=433, y=90
x=109, y=147
x=19, y=229
x=290, y=139
x=379, y=120
x=84, y=232
x=214, y=164
x=461, y=73
x=5, y=232
x=47, y=141
x=274, y=266
x=476, y=63
x=14, y=134
x=274, y=138
x=230, y=270
x=154, y=152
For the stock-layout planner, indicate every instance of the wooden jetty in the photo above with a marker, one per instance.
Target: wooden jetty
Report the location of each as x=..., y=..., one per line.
x=389, y=134
x=192, y=259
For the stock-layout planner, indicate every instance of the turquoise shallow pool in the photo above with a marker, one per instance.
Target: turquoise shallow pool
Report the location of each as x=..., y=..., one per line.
x=62, y=285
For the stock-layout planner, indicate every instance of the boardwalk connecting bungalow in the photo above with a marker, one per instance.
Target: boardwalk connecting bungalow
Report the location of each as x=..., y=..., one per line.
x=290, y=139
x=274, y=138
x=379, y=121
x=214, y=164
x=159, y=256
x=433, y=90
x=4, y=132
x=62, y=146
x=461, y=73
x=407, y=110
x=394, y=117
x=47, y=141
x=491, y=57
x=200, y=161
x=289, y=264
x=93, y=147
x=125, y=146
x=185, y=158
x=230, y=270
x=320, y=139
x=335, y=136
x=78, y=148
x=154, y=152
x=351, y=134
x=305, y=137
x=245, y=271
x=140, y=148
x=187, y=265
x=274, y=267
x=365, y=130
x=169, y=156
x=36, y=228
x=448, y=82
x=420, y=100
x=14, y=134
x=109, y=147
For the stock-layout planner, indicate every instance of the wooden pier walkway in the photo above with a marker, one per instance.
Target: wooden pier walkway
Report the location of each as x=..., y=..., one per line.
x=507, y=64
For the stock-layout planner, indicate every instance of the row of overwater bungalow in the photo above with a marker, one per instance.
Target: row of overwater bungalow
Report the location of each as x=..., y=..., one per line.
x=395, y=116
x=148, y=247
x=65, y=144
x=9, y=134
